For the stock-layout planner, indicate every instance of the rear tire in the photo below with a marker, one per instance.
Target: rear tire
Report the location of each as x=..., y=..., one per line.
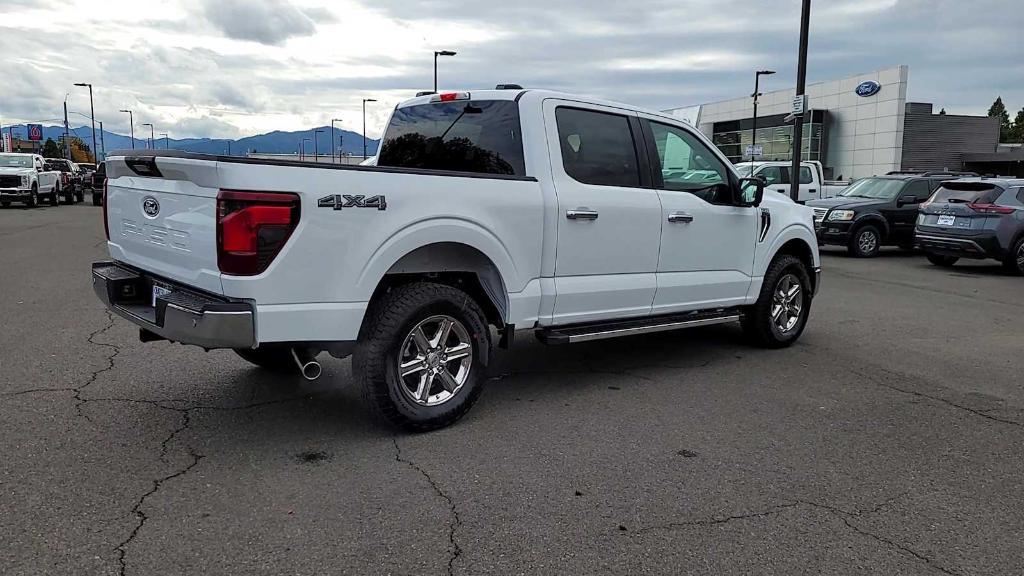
x=943, y=261
x=278, y=360
x=55, y=196
x=445, y=369
x=97, y=200
x=5, y=204
x=80, y=196
x=865, y=242
x=779, y=316
x=1014, y=263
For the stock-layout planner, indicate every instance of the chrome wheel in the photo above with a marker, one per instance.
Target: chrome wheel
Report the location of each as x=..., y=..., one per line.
x=867, y=242
x=432, y=369
x=1020, y=257
x=787, y=303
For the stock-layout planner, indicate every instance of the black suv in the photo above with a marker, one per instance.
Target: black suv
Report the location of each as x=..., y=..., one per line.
x=974, y=218
x=876, y=211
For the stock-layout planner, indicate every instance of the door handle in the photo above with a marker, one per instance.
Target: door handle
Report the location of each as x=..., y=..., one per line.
x=680, y=217
x=581, y=214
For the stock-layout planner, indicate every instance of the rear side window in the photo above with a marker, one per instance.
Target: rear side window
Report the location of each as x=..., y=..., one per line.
x=966, y=193
x=805, y=175
x=919, y=188
x=772, y=175
x=484, y=137
x=597, y=147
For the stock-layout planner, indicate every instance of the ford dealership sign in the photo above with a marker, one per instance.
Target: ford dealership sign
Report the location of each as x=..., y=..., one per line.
x=869, y=88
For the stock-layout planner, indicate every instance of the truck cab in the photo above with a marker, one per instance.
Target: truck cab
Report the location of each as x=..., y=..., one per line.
x=776, y=176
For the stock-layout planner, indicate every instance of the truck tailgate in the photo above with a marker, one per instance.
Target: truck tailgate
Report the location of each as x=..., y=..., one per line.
x=165, y=222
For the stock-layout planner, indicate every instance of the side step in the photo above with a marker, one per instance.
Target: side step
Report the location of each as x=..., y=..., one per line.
x=600, y=330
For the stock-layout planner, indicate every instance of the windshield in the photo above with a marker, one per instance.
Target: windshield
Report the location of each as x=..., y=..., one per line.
x=877, y=188
x=463, y=136
x=15, y=161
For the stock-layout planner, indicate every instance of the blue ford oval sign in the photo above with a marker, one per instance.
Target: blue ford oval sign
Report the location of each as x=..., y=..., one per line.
x=869, y=88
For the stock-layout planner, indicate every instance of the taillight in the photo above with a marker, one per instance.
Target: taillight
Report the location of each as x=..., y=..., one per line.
x=991, y=208
x=252, y=227
x=106, y=224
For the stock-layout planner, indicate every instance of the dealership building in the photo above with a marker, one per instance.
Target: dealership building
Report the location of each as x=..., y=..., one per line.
x=856, y=127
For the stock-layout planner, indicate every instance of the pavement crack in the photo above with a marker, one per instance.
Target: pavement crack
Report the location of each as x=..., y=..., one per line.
x=716, y=520
x=115, y=350
x=454, y=550
x=141, y=516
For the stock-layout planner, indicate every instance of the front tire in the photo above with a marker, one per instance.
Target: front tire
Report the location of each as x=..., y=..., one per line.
x=865, y=242
x=780, y=314
x=422, y=355
x=943, y=261
x=33, y=198
x=1014, y=263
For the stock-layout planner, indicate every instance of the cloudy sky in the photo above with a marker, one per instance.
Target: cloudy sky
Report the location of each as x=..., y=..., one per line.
x=230, y=68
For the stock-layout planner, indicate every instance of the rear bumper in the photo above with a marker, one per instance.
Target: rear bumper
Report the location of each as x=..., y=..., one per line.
x=183, y=315
x=974, y=247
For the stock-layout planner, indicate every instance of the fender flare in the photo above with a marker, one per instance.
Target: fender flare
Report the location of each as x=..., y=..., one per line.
x=873, y=218
x=787, y=234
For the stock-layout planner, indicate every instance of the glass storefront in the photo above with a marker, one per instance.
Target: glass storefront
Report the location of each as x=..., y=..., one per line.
x=774, y=135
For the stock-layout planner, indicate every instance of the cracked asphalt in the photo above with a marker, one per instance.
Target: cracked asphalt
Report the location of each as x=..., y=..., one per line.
x=888, y=441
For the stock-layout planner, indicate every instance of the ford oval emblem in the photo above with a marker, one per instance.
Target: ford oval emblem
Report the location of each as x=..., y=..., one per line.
x=869, y=88
x=150, y=206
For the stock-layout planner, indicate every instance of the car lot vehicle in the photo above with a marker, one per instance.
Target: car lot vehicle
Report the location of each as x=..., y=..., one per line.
x=96, y=182
x=875, y=212
x=25, y=178
x=574, y=218
x=71, y=179
x=776, y=176
x=975, y=218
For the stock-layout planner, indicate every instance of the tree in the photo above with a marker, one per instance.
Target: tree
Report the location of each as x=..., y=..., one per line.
x=998, y=110
x=80, y=151
x=1017, y=131
x=51, y=150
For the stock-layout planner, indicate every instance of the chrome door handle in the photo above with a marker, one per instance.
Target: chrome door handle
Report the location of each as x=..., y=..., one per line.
x=680, y=217
x=581, y=214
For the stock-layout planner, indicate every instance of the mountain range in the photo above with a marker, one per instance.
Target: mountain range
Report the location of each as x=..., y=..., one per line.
x=276, y=142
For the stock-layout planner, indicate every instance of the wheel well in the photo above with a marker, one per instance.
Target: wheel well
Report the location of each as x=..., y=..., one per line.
x=802, y=251
x=456, y=265
x=877, y=222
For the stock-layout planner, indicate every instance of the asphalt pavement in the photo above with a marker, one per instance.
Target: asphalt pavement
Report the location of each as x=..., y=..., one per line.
x=889, y=440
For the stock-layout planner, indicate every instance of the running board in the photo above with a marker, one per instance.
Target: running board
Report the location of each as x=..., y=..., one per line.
x=599, y=331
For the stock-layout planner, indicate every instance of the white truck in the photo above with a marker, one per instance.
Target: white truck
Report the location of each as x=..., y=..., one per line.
x=24, y=178
x=775, y=175
x=487, y=213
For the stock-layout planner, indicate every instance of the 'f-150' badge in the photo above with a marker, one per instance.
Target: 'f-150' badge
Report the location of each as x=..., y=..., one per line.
x=339, y=201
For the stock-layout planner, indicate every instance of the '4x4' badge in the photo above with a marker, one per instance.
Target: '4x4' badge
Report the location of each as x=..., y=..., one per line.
x=339, y=201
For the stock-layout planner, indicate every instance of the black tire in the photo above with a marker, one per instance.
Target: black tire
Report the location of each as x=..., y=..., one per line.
x=943, y=261
x=757, y=320
x=33, y=198
x=5, y=204
x=1014, y=263
x=865, y=242
x=277, y=360
x=80, y=196
x=55, y=195
x=97, y=200
x=390, y=320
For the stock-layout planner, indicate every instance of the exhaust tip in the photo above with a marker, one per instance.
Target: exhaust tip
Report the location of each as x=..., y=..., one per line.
x=308, y=366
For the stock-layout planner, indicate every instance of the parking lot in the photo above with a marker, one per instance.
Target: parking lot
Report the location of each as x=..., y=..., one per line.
x=889, y=440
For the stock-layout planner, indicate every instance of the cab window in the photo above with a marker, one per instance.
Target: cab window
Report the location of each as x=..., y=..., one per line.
x=771, y=175
x=918, y=188
x=685, y=164
x=597, y=147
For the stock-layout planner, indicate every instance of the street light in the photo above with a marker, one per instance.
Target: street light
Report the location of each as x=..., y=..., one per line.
x=164, y=135
x=365, y=100
x=103, y=145
x=152, y=144
x=316, y=151
x=131, y=124
x=757, y=92
x=92, y=114
x=302, y=148
x=436, y=54
x=333, y=149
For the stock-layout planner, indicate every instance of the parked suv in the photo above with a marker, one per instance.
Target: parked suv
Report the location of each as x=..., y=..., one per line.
x=974, y=218
x=875, y=212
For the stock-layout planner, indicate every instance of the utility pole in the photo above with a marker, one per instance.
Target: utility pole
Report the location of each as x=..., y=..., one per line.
x=798, y=121
x=103, y=145
x=92, y=115
x=365, y=100
x=753, y=133
x=131, y=126
x=335, y=152
x=67, y=137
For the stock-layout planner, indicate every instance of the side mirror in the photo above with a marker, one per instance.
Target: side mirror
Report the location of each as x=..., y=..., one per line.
x=908, y=200
x=749, y=192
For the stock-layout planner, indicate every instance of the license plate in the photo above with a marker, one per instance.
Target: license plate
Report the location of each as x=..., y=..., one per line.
x=159, y=291
x=947, y=220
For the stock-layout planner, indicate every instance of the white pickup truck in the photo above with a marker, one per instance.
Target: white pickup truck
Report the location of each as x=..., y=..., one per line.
x=487, y=213
x=25, y=178
x=775, y=175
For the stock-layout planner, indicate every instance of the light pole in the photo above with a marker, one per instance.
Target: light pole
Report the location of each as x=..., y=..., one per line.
x=798, y=121
x=152, y=144
x=103, y=145
x=365, y=100
x=302, y=145
x=164, y=136
x=316, y=151
x=92, y=114
x=757, y=92
x=436, y=54
x=333, y=149
x=131, y=125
